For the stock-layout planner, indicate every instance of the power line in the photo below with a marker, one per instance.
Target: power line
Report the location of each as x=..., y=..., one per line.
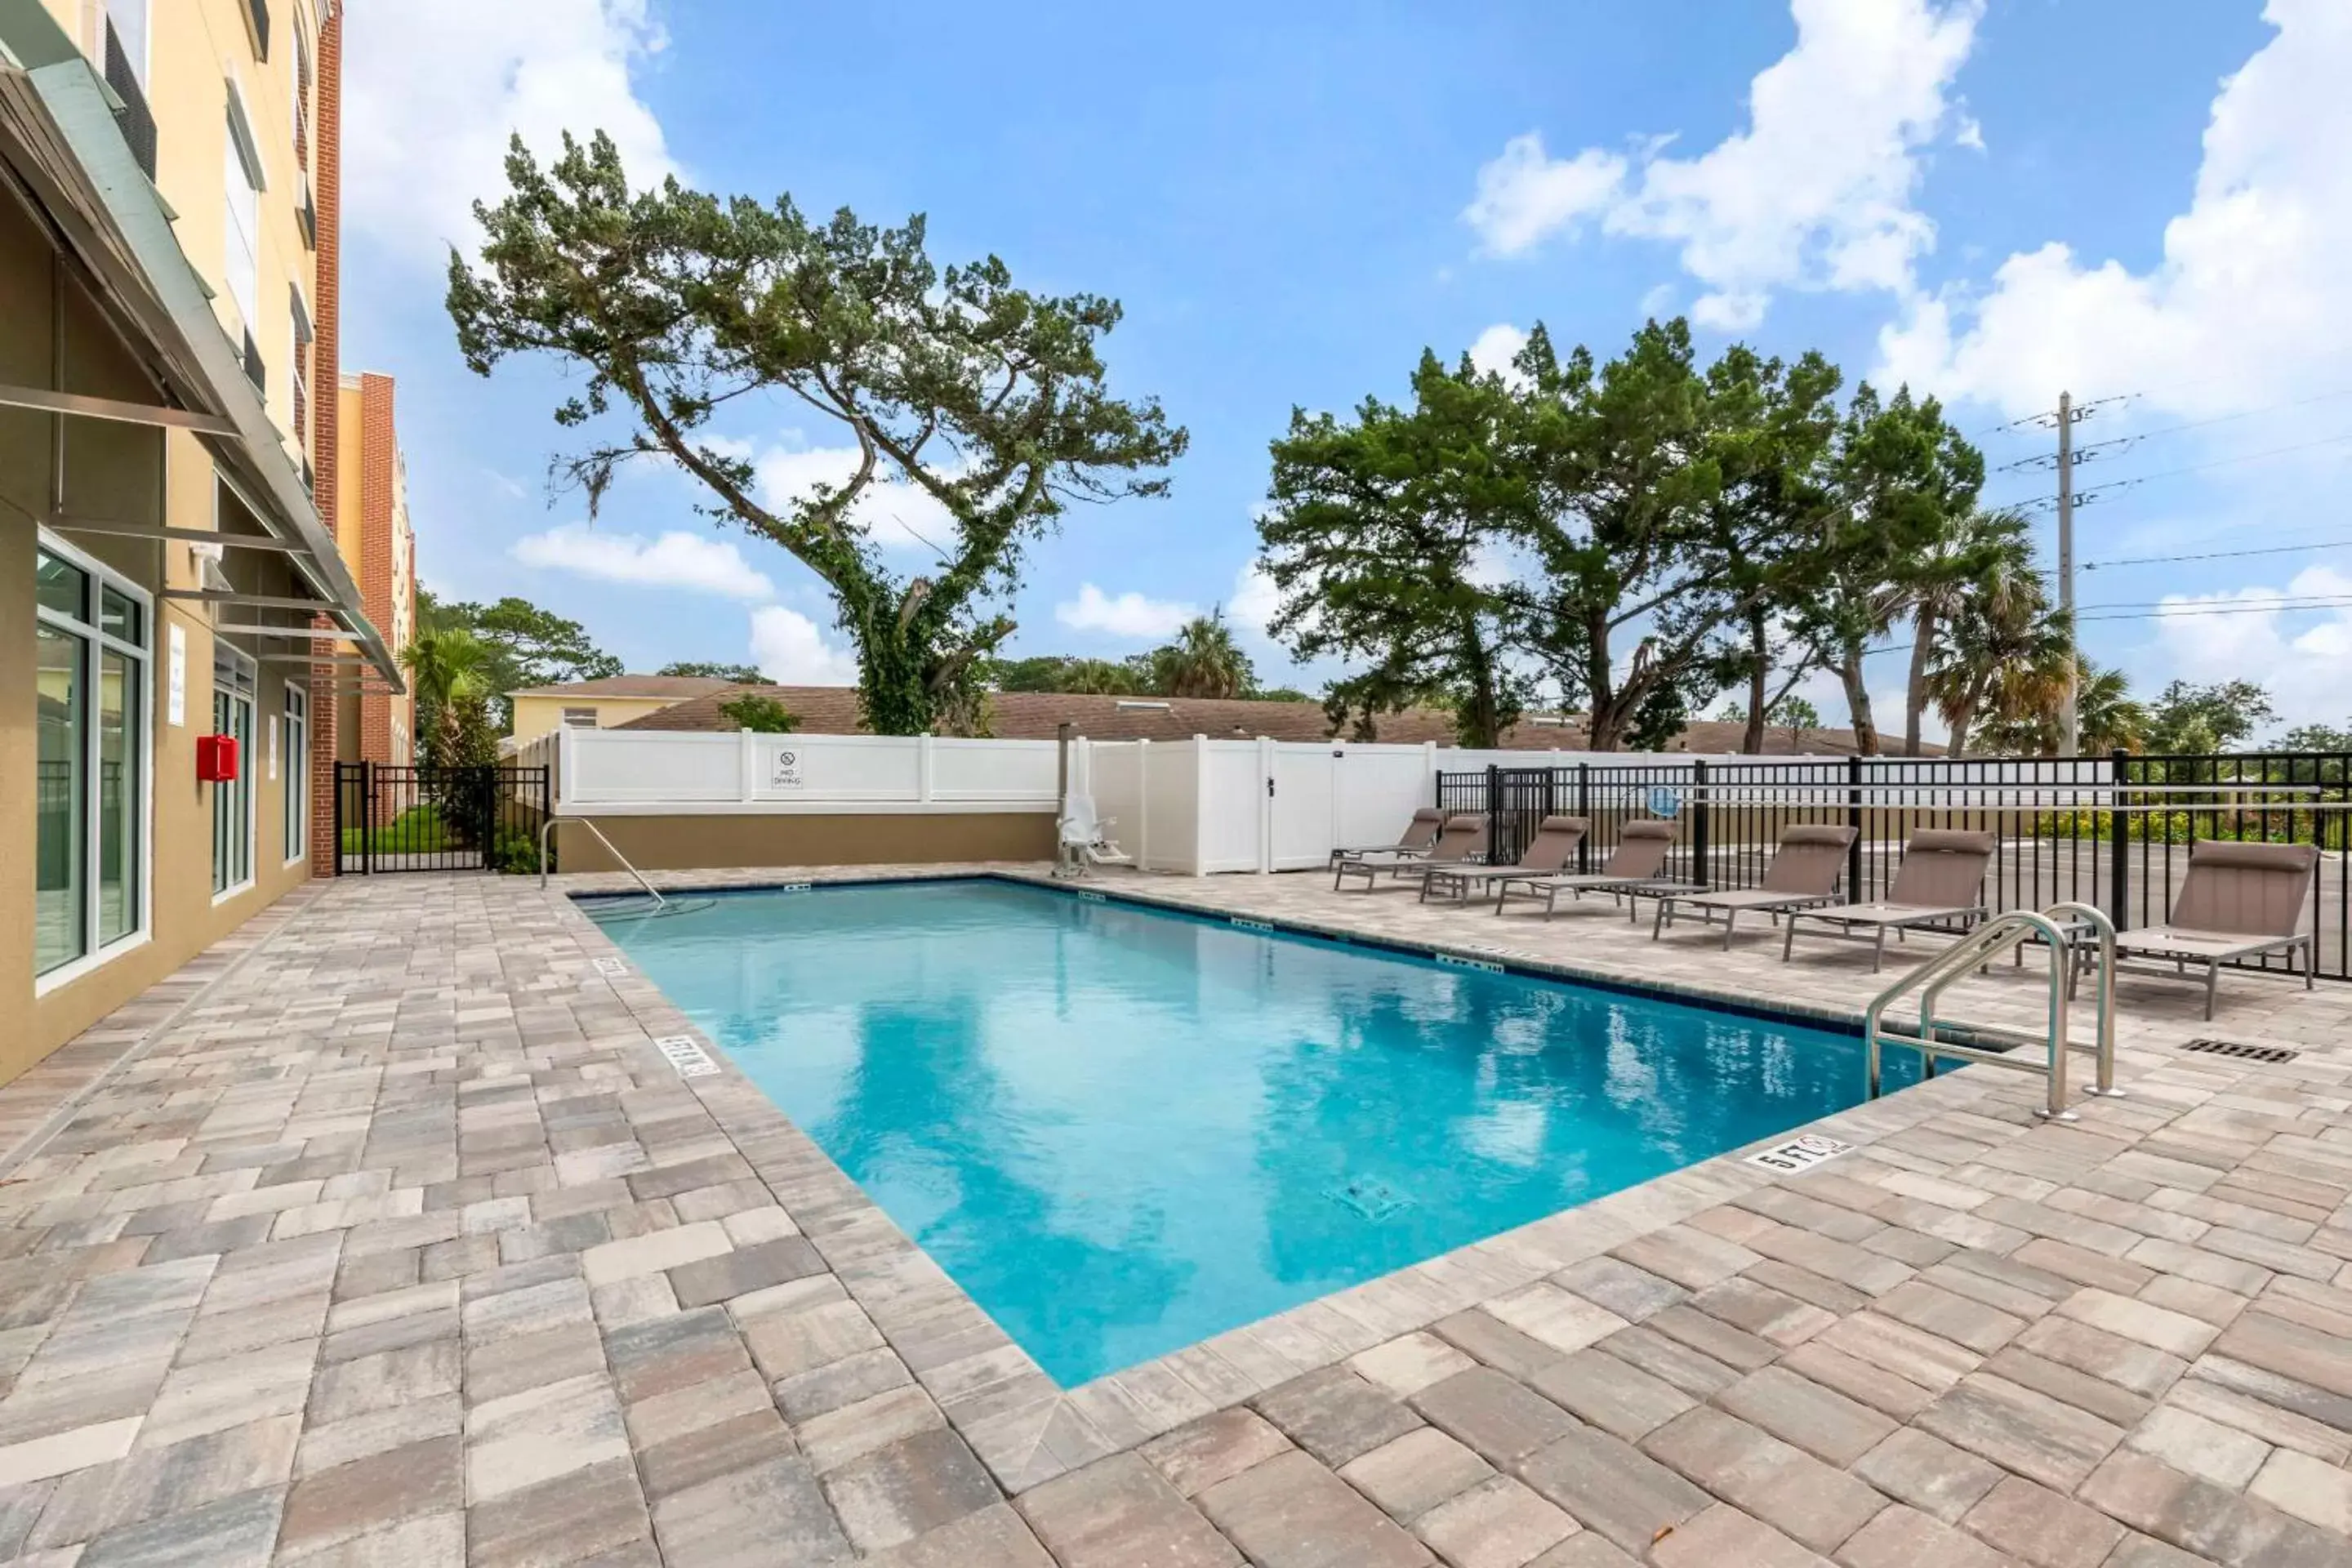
x=2265, y=600
x=2217, y=554
x=2099, y=492
x=2183, y=611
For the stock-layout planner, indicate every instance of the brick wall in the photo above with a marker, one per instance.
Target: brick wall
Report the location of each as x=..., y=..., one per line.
x=379, y=450
x=326, y=377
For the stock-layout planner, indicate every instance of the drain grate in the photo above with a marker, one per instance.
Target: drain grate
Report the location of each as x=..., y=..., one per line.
x=1371, y=1198
x=2242, y=1051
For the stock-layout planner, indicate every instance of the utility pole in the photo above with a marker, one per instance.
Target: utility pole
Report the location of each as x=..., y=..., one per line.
x=2069, y=733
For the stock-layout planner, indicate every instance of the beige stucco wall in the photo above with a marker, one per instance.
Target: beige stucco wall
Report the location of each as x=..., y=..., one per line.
x=126, y=472
x=535, y=716
x=693, y=843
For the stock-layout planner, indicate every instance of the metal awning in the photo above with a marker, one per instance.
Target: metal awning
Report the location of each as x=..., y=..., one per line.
x=59, y=142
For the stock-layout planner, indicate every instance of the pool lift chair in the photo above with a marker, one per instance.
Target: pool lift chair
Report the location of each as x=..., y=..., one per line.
x=1083, y=839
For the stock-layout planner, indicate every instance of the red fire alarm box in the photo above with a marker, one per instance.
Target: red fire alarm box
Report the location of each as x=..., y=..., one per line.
x=217, y=758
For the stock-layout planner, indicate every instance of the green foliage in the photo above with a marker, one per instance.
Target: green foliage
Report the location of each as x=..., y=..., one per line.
x=1204, y=661
x=759, y=712
x=746, y=674
x=2107, y=717
x=988, y=399
x=1998, y=651
x=1377, y=539
x=2318, y=738
x=2187, y=718
x=524, y=646
x=448, y=669
x=514, y=854
x=1281, y=694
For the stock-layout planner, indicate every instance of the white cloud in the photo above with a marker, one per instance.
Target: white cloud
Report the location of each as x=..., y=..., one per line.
x=790, y=650
x=1128, y=614
x=675, y=560
x=2252, y=302
x=2300, y=656
x=1253, y=603
x=1496, y=348
x=1814, y=193
x=1525, y=195
x=433, y=89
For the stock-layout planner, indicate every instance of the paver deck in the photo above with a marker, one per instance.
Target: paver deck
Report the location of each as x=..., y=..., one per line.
x=385, y=1235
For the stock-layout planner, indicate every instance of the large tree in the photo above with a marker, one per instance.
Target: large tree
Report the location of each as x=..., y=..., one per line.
x=744, y=674
x=1204, y=661
x=1963, y=557
x=1381, y=534
x=522, y=645
x=987, y=400
x=1900, y=475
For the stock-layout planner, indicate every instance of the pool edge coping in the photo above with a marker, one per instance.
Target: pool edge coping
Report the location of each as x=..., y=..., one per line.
x=1035, y=1437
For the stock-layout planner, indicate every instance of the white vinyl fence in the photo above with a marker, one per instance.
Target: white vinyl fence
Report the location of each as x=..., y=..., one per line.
x=660, y=772
x=1196, y=806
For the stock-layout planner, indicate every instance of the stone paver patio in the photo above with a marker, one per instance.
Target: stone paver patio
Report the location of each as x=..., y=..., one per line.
x=385, y=1236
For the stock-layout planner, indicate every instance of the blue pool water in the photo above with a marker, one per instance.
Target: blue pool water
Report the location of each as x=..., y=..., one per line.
x=1123, y=1132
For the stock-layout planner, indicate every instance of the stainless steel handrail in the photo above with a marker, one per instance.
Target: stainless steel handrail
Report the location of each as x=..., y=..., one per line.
x=1977, y=950
x=547, y=830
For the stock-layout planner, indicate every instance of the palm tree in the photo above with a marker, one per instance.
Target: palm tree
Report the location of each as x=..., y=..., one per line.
x=1204, y=661
x=448, y=670
x=2107, y=716
x=2002, y=659
x=1096, y=675
x=1933, y=585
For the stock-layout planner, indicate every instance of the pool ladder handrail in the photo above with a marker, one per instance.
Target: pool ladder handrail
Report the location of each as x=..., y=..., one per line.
x=547, y=829
x=2003, y=933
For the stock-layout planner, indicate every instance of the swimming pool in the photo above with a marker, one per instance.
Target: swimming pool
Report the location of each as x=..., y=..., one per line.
x=1122, y=1130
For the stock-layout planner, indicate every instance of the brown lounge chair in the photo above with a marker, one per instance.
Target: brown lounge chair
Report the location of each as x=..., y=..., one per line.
x=1638, y=864
x=1939, y=883
x=2238, y=900
x=1462, y=839
x=1412, y=844
x=1551, y=849
x=1803, y=873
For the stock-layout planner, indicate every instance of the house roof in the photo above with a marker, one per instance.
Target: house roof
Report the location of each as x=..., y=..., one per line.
x=1035, y=715
x=661, y=687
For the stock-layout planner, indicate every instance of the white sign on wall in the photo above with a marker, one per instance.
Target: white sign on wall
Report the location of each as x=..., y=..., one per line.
x=273, y=747
x=177, y=680
x=786, y=773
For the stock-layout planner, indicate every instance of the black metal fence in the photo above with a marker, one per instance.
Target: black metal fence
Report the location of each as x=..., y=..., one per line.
x=427, y=818
x=2112, y=831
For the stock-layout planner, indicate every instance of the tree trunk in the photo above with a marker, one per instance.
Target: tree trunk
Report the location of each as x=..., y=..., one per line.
x=1962, y=717
x=1482, y=731
x=1914, y=694
x=1857, y=701
x=1607, y=719
x=1759, y=677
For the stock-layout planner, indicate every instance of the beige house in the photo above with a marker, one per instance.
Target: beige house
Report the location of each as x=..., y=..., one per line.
x=603, y=704
x=168, y=184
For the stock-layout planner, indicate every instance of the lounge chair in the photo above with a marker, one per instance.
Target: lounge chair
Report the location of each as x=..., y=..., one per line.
x=1803, y=874
x=1551, y=849
x=1638, y=864
x=1939, y=883
x=1463, y=839
x=1414, y=844
x=1083, y=840
x=2238, y=900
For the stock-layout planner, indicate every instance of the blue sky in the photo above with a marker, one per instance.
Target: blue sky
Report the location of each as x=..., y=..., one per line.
x=1990, y=200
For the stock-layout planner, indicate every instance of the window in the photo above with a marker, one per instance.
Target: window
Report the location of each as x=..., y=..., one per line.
x=298, y=774
x=233, y=684
x=241, y=178
x=302, y=99
x=300, y=362
x=580, y=718
x=129, y=20
x=90, y=791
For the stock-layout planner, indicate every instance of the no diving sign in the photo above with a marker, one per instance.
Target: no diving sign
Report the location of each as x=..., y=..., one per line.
x=784, y=773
